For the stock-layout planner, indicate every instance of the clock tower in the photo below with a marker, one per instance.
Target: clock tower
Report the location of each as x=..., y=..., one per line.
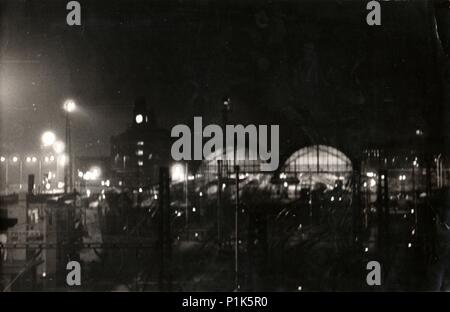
x=140, y=113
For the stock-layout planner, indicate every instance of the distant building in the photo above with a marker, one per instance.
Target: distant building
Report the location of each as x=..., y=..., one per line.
x=137, y=153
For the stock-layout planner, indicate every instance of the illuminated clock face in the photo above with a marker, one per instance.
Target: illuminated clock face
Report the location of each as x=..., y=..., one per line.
x=139, y=118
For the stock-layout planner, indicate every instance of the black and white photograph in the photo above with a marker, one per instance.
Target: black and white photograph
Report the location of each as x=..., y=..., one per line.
x=233, y=147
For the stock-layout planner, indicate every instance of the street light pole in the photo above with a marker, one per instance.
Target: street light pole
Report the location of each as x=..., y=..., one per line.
x=40, y=176
x=68, y=169
x=222, y=167
x=69, y=106
x=6, y=175
x=20, y=173
x=66, y=182
x=226, y=108
x=5, y=160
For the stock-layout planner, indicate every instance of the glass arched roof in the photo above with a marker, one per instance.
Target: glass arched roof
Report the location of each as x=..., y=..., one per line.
x=319, y=159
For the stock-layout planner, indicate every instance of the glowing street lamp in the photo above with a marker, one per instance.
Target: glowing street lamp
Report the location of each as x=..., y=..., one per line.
x=16, y=159
x=59, y=147
x=63, y=160
x=69, y=105
x=95, y=173
x=177, y=172
x=139, y=118
x=30, y=159
x=48, y=138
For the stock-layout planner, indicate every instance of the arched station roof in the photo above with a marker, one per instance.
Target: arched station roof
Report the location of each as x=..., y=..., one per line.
x=319, y=159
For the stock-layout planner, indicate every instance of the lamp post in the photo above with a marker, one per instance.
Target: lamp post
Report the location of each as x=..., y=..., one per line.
x=30, y=161
x=16, y=159
x=48, y=139
x=5, y=160
x=47, y=163
x=226, y=109
x=222, y=170
x=69, y=107
x=59, y=148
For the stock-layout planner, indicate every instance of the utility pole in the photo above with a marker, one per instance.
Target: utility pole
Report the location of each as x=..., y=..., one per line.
x=66, y=169
x=69, y=107
x=356, y=201
x=222, y=170
x=225, y=110
x=386, y=205
x=236, y=216
x=379, y=205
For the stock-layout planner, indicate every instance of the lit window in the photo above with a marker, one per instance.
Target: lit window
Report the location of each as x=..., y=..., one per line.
x=140, y=163
x=139, y=152
x=140, y=143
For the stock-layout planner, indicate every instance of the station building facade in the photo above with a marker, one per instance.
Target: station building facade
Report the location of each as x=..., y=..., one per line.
x=139, y=151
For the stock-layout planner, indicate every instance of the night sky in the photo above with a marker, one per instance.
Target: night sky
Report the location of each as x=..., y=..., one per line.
x=310, y=66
